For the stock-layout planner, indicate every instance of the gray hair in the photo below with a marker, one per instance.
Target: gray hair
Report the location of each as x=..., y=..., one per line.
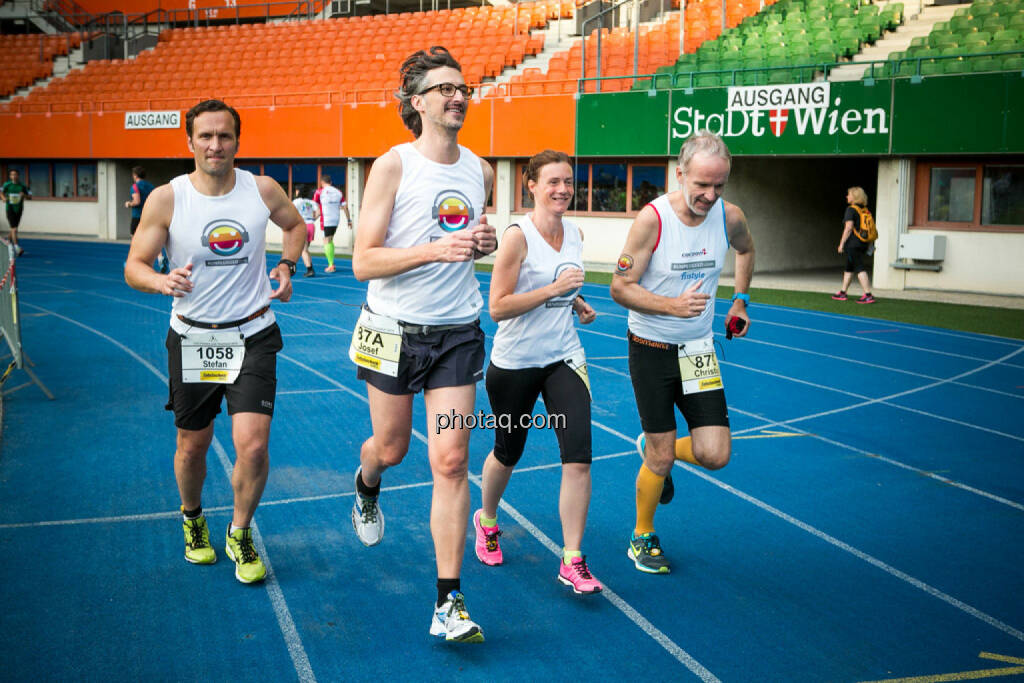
x=703, y=142
x=413, y=72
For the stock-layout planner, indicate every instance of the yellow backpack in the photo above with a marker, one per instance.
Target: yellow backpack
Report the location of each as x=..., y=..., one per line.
x=868, y=232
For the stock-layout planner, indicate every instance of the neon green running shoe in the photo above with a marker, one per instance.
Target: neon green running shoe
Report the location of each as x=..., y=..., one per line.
x=249, y=568
x=197, y=541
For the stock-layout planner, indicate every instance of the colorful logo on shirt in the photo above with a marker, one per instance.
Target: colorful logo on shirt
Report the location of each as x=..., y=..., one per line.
x=452, y=210
x=224, y=237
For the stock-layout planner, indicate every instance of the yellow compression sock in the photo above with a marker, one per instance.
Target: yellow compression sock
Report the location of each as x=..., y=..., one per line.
x=648, y=491
x=684, y=451
x=567, y=555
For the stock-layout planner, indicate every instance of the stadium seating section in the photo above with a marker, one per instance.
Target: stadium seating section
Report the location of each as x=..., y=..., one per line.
x=790, y=41
x=299, y=62
x=354, y=60
x=985, y=36
x=29, y=57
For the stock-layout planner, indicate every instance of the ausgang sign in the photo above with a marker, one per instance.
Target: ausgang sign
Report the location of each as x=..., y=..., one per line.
x=804, y=118
x=152, y=119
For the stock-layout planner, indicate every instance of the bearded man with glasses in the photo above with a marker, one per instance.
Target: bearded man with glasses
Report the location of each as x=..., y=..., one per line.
x=420, y=229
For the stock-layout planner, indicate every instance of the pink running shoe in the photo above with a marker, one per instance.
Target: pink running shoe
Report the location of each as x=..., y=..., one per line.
x=578, y=576
x=487, y=549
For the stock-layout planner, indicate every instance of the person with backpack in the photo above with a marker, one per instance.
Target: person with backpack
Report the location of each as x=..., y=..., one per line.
x=139, y=193
x=857, y=243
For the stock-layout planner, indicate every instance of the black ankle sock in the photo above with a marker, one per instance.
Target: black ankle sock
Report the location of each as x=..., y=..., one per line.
x=364, y=490
x=192, y=514
x=446, y=586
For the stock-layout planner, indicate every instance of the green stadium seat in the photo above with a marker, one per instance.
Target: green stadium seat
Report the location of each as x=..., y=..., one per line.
x=1007, y=34
x=753, y=54
x=707, y=81
x=930, y=68
x=961, y=25
x=849, y=42
x=870, y=28
x=1005, y=45
x=844, y=23
x=1014, y=64
x=980, y=10
x=955, y=66
x=823, y=56
x=907, y=68
x=918, y=41
x=663, y=81
x=981, y=64
x=1016, y=22
x=993, y=24
x=841, y=11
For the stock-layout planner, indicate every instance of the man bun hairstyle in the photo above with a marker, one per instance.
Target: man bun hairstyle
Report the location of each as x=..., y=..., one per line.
x=412, y=74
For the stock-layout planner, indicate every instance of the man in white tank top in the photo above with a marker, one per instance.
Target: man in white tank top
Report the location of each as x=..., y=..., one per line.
x=667, y=277
x=417, y=248
x=213, y=222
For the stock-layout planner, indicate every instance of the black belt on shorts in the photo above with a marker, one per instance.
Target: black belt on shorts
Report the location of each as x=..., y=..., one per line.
x=427, y=329
x=649, y=342
x=217, y=326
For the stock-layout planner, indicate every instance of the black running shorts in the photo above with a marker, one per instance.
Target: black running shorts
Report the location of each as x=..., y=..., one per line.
x=658, y=387
x=196, y=404
x=452, y=357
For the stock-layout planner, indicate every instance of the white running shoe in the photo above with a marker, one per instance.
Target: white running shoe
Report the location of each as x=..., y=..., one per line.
x=451, y=621
x=367, y=518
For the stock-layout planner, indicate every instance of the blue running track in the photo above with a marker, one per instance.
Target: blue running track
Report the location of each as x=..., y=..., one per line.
x=867, y=528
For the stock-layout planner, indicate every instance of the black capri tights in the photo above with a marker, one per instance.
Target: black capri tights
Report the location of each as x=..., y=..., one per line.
x=513, y=393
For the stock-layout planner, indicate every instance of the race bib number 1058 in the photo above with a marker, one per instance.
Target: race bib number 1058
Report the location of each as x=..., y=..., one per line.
x=212, y=357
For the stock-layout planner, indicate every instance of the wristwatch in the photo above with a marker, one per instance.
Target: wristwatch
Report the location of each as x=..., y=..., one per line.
x=288, y=262
x=745, y=298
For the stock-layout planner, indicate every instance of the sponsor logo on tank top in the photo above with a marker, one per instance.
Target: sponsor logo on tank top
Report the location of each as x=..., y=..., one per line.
x=225, y=237
x=565, y=299
x=452, y=210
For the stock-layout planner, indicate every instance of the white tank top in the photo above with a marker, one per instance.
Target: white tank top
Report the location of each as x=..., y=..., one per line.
x=684, y=254
x=331, y=200
x=224, y=238
x=305, y=207
x=546, y=334
x=432, y=200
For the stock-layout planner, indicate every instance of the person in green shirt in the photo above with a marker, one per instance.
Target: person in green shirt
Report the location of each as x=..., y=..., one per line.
x=13, y=195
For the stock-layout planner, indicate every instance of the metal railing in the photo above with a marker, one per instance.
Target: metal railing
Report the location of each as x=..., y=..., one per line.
x=600, y=15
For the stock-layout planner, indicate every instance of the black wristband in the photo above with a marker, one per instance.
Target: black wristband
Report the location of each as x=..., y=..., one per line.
x=288, y=262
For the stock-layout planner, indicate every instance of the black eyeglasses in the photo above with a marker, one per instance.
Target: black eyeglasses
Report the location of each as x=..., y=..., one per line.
x=449, y=89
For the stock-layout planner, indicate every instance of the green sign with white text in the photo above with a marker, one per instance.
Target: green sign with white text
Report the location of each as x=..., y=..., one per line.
x=902, y=116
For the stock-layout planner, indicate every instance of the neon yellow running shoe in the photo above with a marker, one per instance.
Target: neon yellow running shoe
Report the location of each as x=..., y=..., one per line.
x=197, y=541
x=249, y=568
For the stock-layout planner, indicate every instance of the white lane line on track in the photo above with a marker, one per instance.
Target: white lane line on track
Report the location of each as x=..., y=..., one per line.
x=284, y=617
x=150, y=516
x=769, y=423
x=867, y=400
x=648, y=628
x=860, y=554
